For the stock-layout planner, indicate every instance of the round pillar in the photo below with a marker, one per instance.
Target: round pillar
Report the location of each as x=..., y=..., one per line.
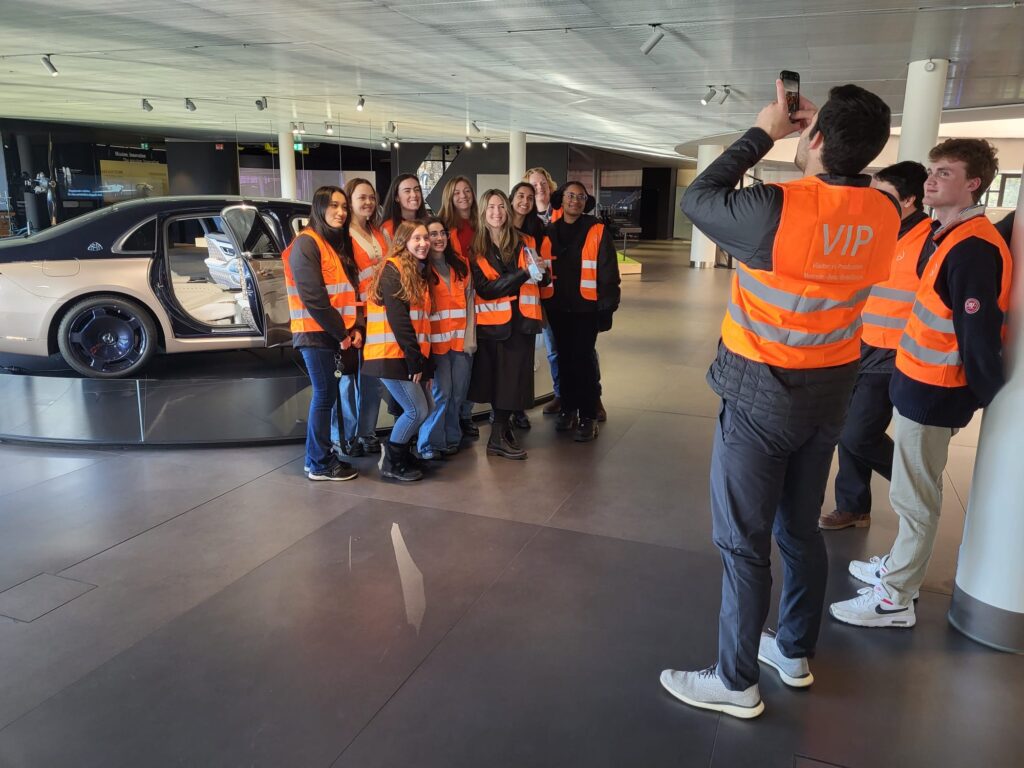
x=286, y=153
x=516, y=156
x=702, y=250
x=922, y=108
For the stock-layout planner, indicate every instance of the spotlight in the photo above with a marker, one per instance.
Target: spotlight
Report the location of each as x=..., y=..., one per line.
x=190, y=105
x=360, y=103
x=475, y=126
x=708, y=96
x=49, y=65
x=329, y=129
x=384, y=143
x=484, y=142
x=295, y=129
x=146, y=105
x=725, y=94
x=468, y=143
x=395, y=143
x=261, y=103
x=653, y=40
x=302, y=127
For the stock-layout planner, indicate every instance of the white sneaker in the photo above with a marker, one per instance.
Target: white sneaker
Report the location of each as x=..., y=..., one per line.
x=872, y=571
x=873, y=608
x=706, y=690
x=796, y=673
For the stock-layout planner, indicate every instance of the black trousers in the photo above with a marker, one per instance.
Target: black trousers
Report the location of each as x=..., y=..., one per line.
x=768, y=479
x=863, y=445
x=579, y=381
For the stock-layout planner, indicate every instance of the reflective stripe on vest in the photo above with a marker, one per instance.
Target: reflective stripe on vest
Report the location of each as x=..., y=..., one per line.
x=365, y=263
x=888, y=306
x=448, y=318
x=499, y=311
x=381, y=342
x=342, y=295
x=928, y=351
x=832, y=244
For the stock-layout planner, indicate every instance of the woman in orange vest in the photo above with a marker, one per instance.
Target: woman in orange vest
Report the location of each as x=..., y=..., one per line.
x=397, y=346
x=459, y=214
x=508, y=319
x=320, y=277
x=451, y=295
x=361, y=393
x=403, y=202
x=586, y=294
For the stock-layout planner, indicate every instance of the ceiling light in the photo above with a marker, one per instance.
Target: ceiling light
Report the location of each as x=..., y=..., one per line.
x=708, y=96
x=329, y=129
x=49, y=65
x=725, y=94
x=302, y=127
x=190, y=105
x=360, y=103
x=468, y=142
x=395, y=143
x=384, y=143
x=484, y=142
x=146, y=105
x=261, y=103
x=653, y=40
x=295, y=129
x=475, y=126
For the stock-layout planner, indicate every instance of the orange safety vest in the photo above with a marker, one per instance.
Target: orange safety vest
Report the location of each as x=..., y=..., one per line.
x=448, y=314
x=833, y=243
x=588, y=267
x=556, y=214
x=365, y=262
x=888, y=305
x=928, y=350
x=380, y=338
x=339, y=290
x=499, y=311
x=546, y=292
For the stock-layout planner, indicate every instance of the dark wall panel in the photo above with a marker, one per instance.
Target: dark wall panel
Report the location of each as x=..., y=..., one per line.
x=657, y=203
x=199, y=168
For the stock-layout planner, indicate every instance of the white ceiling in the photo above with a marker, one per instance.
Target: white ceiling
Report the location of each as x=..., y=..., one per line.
x=565, y=69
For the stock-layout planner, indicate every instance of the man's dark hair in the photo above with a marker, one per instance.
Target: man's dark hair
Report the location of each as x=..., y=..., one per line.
x=908, y=178
x=977, y=154
x=855, y=125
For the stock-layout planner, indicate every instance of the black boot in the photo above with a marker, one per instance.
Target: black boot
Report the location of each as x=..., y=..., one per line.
x=586, y=430
x=469, y=429
x=394, y=463
x=520, y=420
x=566, y=421
x=503, y=442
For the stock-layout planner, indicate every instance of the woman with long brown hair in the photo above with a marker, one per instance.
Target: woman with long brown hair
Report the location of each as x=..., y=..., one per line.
x=508, y=316
x=397, y=348
x=403, y=202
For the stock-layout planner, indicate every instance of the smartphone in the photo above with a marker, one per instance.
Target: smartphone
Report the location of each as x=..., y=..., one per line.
x=791, y=83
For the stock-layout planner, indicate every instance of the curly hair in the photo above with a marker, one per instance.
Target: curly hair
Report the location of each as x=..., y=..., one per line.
x=413, y=285
x=977, y=154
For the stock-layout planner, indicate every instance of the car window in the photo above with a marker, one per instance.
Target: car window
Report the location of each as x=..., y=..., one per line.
x=298, y=222
x=141, y=240
x=251, y=232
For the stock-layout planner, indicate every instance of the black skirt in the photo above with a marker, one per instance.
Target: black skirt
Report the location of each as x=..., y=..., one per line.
x=503, y=372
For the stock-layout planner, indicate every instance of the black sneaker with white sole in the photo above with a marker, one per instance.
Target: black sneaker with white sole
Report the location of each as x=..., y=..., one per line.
x=339, y=471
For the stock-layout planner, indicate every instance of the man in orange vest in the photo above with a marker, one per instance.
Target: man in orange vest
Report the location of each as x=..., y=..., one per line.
x=948, y=365
x=809, y=252
x=864, y=447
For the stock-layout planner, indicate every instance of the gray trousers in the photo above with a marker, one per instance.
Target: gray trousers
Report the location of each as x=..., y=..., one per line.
x=916, y=496
x=768, y=478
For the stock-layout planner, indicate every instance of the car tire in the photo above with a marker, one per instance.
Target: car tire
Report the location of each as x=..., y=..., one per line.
x=107, y=337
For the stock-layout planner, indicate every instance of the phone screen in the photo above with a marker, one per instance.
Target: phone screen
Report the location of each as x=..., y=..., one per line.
x=791, y=83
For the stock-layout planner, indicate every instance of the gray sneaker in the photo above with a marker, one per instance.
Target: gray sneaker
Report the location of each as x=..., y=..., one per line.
x=794, y=672
x=706, y=690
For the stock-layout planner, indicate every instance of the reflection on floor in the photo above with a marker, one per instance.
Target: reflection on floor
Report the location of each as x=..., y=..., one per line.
x=214, y=608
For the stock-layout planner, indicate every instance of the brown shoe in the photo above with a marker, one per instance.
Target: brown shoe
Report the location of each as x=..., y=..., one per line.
x=602, y=414
x=553, y=408
x=836, y=520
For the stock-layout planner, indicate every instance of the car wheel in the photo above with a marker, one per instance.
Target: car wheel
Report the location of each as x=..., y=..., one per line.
x=107, y=337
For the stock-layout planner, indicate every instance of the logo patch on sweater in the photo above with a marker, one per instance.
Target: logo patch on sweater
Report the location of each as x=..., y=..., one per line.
x=971, y=306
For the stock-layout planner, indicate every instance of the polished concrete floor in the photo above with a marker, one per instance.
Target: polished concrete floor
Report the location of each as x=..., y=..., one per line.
x=215, y=608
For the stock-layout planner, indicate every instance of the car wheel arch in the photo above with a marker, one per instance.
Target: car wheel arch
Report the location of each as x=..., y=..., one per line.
x=68, y=302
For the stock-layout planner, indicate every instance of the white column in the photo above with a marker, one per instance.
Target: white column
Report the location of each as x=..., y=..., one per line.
x=286, y=154
x=988, y=596
x=702, y=250
x=922, y=108
x=516, y=156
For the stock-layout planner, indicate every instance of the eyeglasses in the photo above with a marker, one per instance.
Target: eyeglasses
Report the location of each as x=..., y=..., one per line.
x=442, y=233
x=573, y=196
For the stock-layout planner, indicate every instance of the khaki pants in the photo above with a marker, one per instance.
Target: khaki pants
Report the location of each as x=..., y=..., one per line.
x=915, y=493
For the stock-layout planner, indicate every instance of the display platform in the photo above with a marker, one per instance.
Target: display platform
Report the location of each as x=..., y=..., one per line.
x=203, y=398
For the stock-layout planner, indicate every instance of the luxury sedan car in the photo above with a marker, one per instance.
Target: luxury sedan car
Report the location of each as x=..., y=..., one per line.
x=175, y=274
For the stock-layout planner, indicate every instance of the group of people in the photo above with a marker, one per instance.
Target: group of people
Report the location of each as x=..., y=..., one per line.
x=435, y=313
x=850, y=308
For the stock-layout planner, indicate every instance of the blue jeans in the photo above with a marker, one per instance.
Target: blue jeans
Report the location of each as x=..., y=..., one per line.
x=549, y=343
x=360, y=406
x=320, y=366
x=451, y=382
x=412, y=397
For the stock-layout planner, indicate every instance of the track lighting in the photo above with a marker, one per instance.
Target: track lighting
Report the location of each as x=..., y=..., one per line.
x=392, y=126
x=708, y=96
x=49, y=65
x=261, y=103
x=295, y=129
x=190, y=105
x=725, y=94
x=146, y=105
x=475, y=126
x=395, y=143
x=384, y=143
x=360, y=103
x=484, y=142
x=302, y=127
x=653, y=40
x=468, y=142
x=329, y=129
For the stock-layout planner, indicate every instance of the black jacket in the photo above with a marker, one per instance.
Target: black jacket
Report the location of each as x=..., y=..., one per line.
x=567, y=248
x=397, y=312
x=744, y=222
x=507, y=283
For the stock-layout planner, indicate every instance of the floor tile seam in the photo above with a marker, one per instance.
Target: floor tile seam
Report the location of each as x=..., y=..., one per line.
x=56, y=607
x=956, y=491
x=433, y=649
x=54, y=477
